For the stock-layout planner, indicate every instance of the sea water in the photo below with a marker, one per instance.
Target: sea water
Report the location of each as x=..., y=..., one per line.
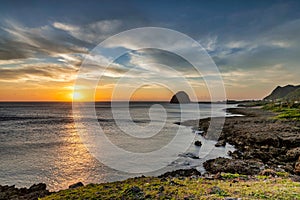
x=39, y=142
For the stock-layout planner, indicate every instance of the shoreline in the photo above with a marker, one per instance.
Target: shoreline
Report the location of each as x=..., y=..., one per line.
x=259, y=139
x=263, y=146
x=258, y=136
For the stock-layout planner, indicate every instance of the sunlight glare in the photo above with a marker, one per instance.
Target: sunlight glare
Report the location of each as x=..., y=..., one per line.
x=77, y=96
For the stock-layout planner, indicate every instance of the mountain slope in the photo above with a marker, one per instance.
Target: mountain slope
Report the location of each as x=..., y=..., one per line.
x=285, y=92
x=294, y=96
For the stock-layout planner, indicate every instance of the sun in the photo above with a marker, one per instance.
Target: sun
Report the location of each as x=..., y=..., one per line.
x=77, y=96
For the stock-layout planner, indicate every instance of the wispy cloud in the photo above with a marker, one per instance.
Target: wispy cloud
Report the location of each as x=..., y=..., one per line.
x=39, y=72
x=94, y=32
x=23, y=42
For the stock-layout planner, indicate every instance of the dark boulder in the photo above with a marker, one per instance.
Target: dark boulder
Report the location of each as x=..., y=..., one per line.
x=198, y=143
x=181, y=173
x=189, y=155
x=220, y=143
x=76, y=185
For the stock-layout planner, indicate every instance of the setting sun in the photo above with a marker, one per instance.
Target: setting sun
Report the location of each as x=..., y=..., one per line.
x=77, y=96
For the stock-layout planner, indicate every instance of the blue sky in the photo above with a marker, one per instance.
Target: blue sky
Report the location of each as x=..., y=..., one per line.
x=255, y=44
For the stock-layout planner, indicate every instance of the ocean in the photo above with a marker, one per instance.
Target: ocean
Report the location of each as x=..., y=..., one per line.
x=39, y=142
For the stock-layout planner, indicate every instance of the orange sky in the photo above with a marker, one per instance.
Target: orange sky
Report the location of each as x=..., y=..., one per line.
x=18, y=92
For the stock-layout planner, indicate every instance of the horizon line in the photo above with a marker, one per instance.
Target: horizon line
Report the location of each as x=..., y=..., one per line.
x=59, y=101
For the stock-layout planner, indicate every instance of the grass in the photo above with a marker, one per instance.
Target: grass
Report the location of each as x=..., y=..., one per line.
x=189, y=188
x=290, y=113
x=285, y=111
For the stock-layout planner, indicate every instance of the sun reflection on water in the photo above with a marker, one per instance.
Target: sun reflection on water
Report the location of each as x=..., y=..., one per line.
x=73, y=163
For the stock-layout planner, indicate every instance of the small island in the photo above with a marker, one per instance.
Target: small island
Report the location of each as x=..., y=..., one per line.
x=180, y=97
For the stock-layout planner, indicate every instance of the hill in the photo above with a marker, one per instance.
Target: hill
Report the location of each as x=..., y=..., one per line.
x=294, y=96
x=288, y=92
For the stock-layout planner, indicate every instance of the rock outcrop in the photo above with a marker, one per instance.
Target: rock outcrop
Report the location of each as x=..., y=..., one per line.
x=181, y=173
x=35, y=192
x=76, y=185
x=180, y=97
x=248, y=167
x=256, y=136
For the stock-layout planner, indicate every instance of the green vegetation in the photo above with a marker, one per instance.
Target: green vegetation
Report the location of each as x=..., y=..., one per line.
x=189, y=188
x=282, y=174
x=285, y=110
x=232, y=176
x=292, y=113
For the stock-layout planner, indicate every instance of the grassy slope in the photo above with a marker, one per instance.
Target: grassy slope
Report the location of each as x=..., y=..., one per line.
x=260, y=187
x=285, y=112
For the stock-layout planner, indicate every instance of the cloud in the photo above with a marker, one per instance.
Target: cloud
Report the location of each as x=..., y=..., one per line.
x=279, y=45
x=18, y=42
x=38, y=72
x=92, y=33
x=157, y=62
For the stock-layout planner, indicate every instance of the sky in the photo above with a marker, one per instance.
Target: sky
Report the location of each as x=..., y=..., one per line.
x=43, y=44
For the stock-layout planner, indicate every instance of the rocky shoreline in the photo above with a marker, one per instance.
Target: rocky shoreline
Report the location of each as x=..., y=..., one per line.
x=265, y=146
x=262, y=142
x=35, y=192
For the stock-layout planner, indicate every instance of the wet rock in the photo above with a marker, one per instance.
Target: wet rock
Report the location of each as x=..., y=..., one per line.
x=198, y=143
x=297, y=167
x=220, y=143
x=189, y=155
x=181, y=173
x=76, y=185
x=200, y=132
x=236, y=154
x=293, y=154
x=248, y=167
